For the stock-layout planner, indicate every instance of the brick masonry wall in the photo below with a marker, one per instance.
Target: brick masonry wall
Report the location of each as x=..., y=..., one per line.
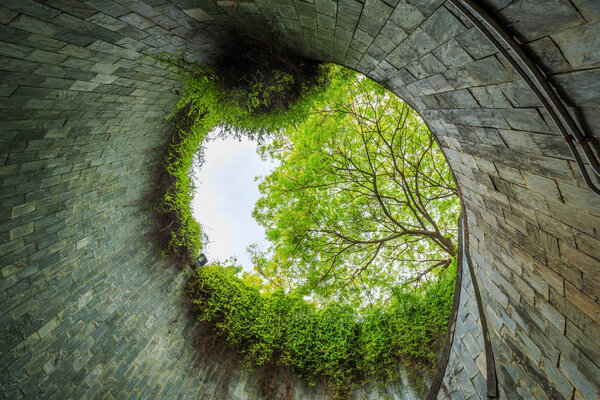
x=87, y=309
x=466, y=372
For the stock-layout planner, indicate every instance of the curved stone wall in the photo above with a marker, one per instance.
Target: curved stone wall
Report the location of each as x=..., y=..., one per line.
x=88, y=310
x=465, y=375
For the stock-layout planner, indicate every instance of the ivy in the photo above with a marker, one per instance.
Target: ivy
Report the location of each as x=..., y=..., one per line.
x=332, y=344
x=258, y=103
x=183, y=234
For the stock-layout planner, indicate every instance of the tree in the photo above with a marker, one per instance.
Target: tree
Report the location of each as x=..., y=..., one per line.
x=362, y=202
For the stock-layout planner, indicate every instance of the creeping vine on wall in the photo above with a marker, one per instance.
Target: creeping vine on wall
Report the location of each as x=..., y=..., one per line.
x=334, y=343
x=240, y=97
x=331, y=344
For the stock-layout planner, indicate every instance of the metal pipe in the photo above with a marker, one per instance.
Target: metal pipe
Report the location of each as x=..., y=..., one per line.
x=539, y=85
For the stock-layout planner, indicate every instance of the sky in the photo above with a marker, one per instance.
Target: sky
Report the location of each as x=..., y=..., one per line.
x=225, y=195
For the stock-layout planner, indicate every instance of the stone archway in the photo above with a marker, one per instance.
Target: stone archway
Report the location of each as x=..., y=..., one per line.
x=89, y=310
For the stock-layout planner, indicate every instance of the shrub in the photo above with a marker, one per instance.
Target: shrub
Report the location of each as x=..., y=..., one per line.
x=254, y=94
x=332, y=344
x=260, y=90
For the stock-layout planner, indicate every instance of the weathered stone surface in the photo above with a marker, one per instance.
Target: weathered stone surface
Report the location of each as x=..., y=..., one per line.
x=547, y=54
x=82, y=127
x=465, y=378
x=583, y=87
x=527, y=14
x=570, y=42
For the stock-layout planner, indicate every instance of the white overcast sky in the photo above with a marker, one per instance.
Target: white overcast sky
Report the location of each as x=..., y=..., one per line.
x=225, y=195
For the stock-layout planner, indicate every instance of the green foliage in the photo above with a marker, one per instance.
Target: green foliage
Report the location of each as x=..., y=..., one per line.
x=333, y=343
x=269, y=325
x=254, y=105
x=362, y=199
x=184, y=235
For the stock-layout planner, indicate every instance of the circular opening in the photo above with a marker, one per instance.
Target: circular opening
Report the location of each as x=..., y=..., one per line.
x=357, y=282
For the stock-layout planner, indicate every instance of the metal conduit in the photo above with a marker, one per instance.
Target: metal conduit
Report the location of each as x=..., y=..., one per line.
x=537, y=83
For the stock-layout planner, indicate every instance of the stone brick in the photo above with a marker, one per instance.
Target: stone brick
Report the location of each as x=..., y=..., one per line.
x=474, y=43
x=582, y=88
x=580, y=198
x=442, y=25
x=326, y=7
x=407, y=16
x=34, y=25
x=377, y=11
x=556, y=14
x=583, y=302
x=588, y=8
x=576, y=55
x=547, y=54
x=85, y=110
x=21, y=231
x=587, y=389
x=7, y=15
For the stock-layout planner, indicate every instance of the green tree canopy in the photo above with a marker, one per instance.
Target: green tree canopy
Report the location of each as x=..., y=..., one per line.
x=361, y=206
x=362, y=202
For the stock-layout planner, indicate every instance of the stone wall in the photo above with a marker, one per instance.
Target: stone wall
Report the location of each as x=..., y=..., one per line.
x=88, y=310
x=466, y=372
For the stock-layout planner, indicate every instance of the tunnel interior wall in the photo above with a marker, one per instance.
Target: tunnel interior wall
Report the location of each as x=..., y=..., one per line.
x=89, y=310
